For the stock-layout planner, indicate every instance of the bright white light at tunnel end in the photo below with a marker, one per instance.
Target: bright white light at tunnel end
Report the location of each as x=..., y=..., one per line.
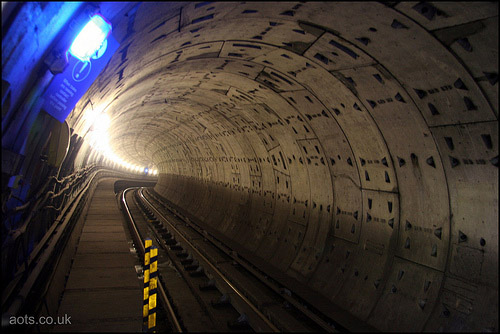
x=110, y=158
x=98, y=123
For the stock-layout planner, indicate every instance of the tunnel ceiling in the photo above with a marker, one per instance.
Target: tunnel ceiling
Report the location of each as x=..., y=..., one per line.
x=351, y=146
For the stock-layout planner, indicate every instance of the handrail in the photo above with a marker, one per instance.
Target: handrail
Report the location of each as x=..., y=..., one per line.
x=52, y=241
x=51, y=206
x=21, y=234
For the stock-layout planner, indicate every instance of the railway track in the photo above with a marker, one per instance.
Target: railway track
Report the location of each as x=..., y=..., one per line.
x=205, y=286
x=132, y=214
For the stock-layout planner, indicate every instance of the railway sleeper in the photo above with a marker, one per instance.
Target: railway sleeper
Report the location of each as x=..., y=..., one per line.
x=177, y=246
x=183, y=254
x=198, y=272
x=208, y=285
x=170, y=241
x=192, y=266
x=240, y=323
x=165, y=233
x=223, y=301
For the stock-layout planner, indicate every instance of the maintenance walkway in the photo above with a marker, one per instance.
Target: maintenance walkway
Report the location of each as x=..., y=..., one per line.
x=103, y=292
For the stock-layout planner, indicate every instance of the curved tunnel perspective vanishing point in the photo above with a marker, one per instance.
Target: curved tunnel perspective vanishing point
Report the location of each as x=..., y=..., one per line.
x=350, y=150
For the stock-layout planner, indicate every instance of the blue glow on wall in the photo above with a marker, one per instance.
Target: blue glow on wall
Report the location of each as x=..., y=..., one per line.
x=68, y=87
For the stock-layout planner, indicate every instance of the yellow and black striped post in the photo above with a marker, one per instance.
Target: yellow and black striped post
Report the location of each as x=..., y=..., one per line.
x=145, y=308
x=153, y=286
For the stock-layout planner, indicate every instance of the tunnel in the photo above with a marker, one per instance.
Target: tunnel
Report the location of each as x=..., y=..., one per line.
x=347, y=149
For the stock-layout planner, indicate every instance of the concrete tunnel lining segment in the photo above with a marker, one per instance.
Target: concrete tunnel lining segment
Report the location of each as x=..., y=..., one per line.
x=323, y=138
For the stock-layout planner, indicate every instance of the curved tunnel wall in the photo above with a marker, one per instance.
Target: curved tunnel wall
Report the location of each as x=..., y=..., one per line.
x=352, y=146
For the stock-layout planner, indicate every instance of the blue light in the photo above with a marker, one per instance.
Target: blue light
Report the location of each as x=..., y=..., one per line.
x=146, y=170
x=92, y=37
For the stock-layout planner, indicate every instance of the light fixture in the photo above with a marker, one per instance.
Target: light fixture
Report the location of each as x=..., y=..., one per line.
x=91, y=38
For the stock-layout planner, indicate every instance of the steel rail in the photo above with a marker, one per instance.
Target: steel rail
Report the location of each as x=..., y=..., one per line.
x=271, y=326
x=140, y=244
x=328, y=327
